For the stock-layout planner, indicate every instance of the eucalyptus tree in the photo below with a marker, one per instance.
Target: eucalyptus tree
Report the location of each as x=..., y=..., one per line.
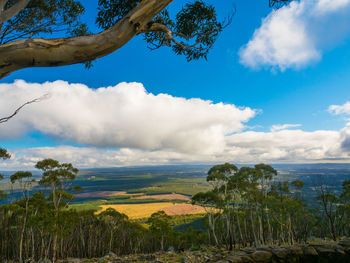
x=160, y=226
x=4, y=155
x=113, y=219
x=23, y=178
x=59, y=178
x=344, y=207
x=29, y=30
x=329, y=210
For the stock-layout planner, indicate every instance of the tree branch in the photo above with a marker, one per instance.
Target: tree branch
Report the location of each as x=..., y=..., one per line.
x=66, y=51
x=13, y=10
x=2, y=5
x=5, y=119
x=169, y=34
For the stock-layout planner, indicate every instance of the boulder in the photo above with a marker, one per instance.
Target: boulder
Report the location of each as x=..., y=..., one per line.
x=73, y=260
x=261, y=256
x=234, y=259
x=310, y=251
x=345, y=242
x=281, y=252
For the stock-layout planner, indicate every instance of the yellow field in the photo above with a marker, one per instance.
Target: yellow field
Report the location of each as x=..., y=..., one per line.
x=136, y=211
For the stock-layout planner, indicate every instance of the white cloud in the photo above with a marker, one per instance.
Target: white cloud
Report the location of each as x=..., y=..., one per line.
x=286, y=146
x=279, y=127
x=246, y=147
x=328, y=6
x=340, y=109
x=297, y=35
x=125, y=116
x=126, y=126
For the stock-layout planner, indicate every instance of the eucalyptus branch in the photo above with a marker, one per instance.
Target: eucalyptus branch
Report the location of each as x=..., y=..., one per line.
x=11, y=12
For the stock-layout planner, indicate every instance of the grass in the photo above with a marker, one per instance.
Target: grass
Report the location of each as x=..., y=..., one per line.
x=187, y=186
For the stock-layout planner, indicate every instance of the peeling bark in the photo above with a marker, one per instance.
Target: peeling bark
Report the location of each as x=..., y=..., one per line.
x=41, y=52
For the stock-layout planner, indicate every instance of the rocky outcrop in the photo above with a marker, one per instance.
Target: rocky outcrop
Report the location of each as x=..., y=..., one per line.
x=311, y=253
x=331, y=252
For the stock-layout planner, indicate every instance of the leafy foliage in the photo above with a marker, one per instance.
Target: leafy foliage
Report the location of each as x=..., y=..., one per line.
x=111, y=11
x=42, y=17
x=196, y=26
x=4, y=154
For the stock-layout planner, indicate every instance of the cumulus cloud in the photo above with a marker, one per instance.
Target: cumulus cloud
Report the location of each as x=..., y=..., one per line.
x=297, y=35
x=279, y=127
x=340, y=109
x=122, y=116
x=345, y=132
x=125, y=125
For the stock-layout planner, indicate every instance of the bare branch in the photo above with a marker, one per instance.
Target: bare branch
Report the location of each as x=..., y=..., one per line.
x=5, y=119
x=13, y=10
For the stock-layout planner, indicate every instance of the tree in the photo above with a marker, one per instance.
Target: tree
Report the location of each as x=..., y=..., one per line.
x=59, y=177
x=160, y=227
x=23, y=179
x=278, y=3
x=329, y=202
x=3, y=155
x=112, y=219
x=26, y=26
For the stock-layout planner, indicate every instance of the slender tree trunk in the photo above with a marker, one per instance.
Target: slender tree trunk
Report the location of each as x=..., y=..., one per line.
x=253, y=228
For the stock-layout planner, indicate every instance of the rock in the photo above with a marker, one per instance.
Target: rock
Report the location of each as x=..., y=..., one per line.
x=73, y=260
x=344, y=242
x=111, y=254
x=261, y=256
x=325, y=250
x=310, y=251
x=281, y=252
x=147, y=257
x=296, y=251
x=234, y=259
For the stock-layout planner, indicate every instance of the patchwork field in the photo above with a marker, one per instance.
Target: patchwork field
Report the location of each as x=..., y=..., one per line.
x=104, y=194
x=164, y=197
x=137, y=211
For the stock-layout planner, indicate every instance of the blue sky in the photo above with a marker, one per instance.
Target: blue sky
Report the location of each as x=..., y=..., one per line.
x=284, y=91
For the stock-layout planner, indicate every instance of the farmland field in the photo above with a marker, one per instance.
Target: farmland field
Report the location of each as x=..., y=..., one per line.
x=151, y=187
x=138, y=211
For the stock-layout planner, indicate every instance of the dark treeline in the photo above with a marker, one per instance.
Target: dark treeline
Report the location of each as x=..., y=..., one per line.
x=245, y=207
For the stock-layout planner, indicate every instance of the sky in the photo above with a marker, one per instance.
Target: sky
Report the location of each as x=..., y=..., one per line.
x=274, y=89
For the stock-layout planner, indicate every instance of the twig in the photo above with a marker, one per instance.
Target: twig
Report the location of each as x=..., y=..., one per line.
x=5, y=119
